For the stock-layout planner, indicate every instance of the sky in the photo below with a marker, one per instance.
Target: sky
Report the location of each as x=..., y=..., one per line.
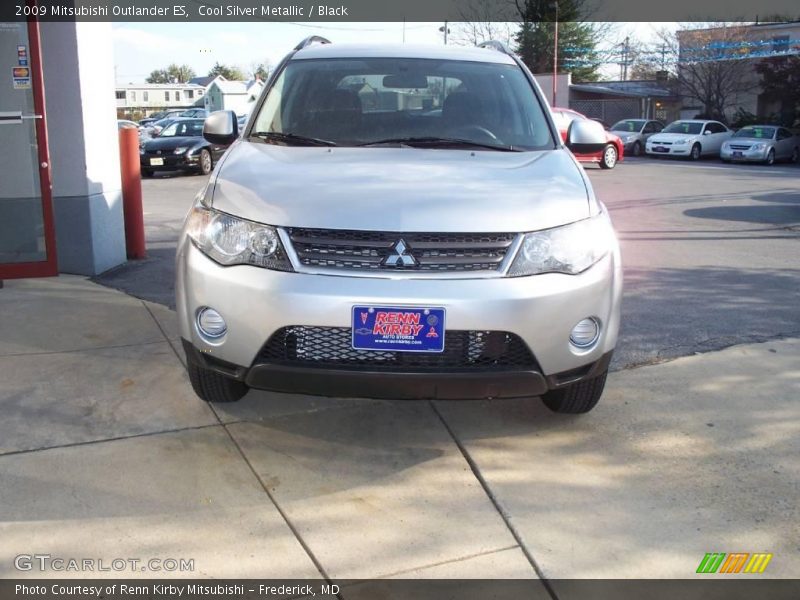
x=140, y=48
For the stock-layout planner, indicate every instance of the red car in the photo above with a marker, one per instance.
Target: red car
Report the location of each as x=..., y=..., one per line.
x=607, y=157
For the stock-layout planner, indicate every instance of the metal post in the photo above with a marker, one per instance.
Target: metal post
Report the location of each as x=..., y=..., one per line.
x=132, y=192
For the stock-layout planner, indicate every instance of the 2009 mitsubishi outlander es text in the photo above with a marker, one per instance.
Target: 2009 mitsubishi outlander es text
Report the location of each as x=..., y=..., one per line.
x=400, y=222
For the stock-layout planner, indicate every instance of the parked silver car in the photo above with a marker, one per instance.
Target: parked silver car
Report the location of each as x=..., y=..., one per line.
x=634, y=133
x=761, y=143
x=400, y=222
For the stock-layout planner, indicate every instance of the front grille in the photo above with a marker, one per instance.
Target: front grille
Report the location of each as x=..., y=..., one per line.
x=662, y=143
x=330, y=347
x=367, y=250
x=740, y=147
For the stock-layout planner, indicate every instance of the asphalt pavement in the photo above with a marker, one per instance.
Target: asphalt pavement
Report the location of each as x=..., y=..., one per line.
x=709, y=252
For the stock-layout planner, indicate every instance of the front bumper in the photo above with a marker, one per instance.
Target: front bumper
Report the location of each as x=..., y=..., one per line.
x=673, y=150
x=256, y=302
x=744, y=155
x=171, y=162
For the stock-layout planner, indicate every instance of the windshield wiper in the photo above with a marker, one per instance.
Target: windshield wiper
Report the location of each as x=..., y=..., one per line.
x=291, y=138
x=441, y=142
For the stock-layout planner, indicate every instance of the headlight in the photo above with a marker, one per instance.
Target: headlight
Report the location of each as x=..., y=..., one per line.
x=569, y=249
x=680, y=141
x=758, y=146
x=180, y=150
x=141, y=149
x=232, y=241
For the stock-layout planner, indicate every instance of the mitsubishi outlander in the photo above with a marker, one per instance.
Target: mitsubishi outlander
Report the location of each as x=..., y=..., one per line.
x=400, y=222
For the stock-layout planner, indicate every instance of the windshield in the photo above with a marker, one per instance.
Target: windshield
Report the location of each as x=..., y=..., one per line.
x=766, y=133
x=683, y=127
x=191, y=128
x=352, y=102
x=629, y=125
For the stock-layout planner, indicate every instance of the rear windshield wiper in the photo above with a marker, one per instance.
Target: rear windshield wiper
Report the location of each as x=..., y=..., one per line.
x=291, y=138
x=441, y=142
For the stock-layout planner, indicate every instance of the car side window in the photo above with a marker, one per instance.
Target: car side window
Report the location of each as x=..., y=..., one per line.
x=649, y=128
x=784, y=134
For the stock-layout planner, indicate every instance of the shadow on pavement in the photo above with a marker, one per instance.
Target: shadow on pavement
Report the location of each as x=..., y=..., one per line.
x=152, y=278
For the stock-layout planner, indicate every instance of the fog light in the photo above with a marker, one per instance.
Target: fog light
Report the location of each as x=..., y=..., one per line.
x=585, y=333
x=211, y=323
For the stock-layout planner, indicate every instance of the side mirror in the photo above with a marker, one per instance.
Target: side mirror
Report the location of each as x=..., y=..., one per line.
x=221, y=127
x=706, y=132
x=586, y=137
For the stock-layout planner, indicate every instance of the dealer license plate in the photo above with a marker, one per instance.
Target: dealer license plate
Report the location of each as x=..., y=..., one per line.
x=398, y=328
x=660, y=149
x=156, y=162
x=738, y=154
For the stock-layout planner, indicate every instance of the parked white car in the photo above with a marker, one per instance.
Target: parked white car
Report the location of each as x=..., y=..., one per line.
x=690, y=139
x=761, y=143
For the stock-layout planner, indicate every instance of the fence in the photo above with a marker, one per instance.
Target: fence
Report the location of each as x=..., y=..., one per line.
x=609, y=111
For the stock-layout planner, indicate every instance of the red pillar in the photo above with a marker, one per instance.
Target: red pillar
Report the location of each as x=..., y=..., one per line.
x=131, y=192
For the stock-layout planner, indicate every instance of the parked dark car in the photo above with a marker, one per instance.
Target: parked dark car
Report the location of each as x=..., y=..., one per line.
x=164, y=114
x=180, y=146
x=195, y=113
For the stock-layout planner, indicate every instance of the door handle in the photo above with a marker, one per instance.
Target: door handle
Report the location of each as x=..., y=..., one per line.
x=16, y=117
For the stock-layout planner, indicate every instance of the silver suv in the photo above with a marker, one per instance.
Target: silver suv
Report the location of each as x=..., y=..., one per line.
x=400, y=222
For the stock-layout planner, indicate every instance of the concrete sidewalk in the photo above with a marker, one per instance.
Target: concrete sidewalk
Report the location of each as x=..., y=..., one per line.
x=105, y=452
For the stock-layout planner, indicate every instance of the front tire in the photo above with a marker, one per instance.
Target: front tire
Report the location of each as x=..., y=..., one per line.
x=637, y=149
x=213, y=387
x=795, y=156
x=609, y=159
x=205, y=162
x=696, y=152
x=577, y=398
x=770, y=158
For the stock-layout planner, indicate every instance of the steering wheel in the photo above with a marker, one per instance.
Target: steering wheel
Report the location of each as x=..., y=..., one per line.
x=481, y=131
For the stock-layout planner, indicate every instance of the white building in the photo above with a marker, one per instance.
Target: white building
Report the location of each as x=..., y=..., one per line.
x=144, y=98
x=237, y=96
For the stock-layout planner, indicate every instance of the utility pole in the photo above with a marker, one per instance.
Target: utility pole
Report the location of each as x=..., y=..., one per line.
x=555, y=53
x=446, y=31
x=625, y=58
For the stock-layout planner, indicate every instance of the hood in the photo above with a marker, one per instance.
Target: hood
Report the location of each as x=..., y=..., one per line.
x=401, y=189
x=669, y=137
x=170, y=143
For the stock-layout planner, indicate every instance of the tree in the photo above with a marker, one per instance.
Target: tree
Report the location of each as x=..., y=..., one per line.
x=231, y=73
x=577, y=40
x=261, y=70
x=712, y=66
x=479, y=24
x=172, y=74
x=780, y=81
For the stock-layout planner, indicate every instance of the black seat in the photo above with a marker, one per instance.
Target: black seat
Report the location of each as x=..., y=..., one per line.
x=339, y=115
x=461, y=109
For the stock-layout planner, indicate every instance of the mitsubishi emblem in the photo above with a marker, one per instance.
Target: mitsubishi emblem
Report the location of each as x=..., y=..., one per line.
x=399, y=256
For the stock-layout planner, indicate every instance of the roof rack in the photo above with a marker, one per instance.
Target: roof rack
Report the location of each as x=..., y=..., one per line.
x=318, y=39
x=495, y=45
